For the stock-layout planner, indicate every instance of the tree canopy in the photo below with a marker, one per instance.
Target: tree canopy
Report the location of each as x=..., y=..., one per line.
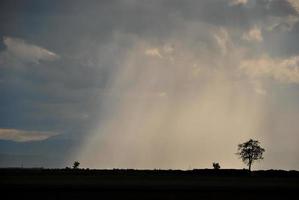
x=250, y=151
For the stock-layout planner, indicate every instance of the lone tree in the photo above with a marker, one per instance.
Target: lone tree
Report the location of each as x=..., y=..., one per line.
x=250, y=151
x=76, y=165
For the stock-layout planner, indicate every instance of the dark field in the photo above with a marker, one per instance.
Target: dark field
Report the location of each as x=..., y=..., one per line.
x=147, y=184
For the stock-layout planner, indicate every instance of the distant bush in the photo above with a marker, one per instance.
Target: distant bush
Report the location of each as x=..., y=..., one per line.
x=216, y=166
x=76, y=165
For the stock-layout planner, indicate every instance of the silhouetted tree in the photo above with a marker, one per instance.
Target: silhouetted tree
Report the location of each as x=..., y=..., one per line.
x=216, y=166
x=250, y=151
x=76, y=165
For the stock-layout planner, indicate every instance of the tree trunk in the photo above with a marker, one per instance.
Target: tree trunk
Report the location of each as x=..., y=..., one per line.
x=249, y=164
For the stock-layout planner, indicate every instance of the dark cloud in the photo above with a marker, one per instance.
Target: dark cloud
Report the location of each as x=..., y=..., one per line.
x=281, y=42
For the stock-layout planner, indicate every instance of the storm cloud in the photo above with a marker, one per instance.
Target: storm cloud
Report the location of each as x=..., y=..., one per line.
x=153, y=84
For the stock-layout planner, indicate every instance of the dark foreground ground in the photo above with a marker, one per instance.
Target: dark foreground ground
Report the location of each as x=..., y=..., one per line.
x=147, y=184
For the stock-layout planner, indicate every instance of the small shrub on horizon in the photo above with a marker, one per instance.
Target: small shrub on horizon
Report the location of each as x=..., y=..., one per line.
x=76, y=165
x=216, y=166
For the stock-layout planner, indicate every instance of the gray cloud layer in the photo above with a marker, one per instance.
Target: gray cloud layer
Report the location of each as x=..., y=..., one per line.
x=23, y=135
x=26, y=52
x=159, y=80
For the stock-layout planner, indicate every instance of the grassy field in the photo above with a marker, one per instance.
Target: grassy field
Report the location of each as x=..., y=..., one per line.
x=147, y=184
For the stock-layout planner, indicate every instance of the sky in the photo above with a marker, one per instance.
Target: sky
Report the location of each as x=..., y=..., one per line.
x=165, y=84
